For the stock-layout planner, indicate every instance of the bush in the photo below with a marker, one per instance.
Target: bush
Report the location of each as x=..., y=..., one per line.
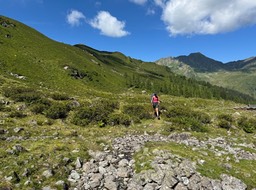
x=28, y=97
x=12, y=91
x=57, y=111
x=248, y=125
x=225, y=121
x=40, y=105
x=168, y=129
x=97, y=112
x=119, y=119
x=188, y=124
x=22, y=94
x=177, y=112
x=78, y=120
x=188, y=113
x=17, y=114
x=224, y=124
x=60, y=96
x=38, y=108
x=2, y=107
x=226, y=117
x=137, y=111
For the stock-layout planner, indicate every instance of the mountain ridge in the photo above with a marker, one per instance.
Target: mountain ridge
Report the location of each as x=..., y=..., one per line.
x=69, y=112
x=238, y=75
x=80, y=69
x=202, y=63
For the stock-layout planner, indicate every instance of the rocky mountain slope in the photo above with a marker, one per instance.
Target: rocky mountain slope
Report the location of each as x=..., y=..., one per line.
x=237, y=75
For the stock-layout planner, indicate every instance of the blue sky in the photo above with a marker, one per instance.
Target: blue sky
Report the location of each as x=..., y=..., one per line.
x=224, y=30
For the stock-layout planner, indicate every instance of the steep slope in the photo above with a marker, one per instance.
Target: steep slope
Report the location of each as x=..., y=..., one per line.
x=30, y=58
x=242, y=65
x=178, y=67
x=27, y=54
x=201, y=63
x=236, y=75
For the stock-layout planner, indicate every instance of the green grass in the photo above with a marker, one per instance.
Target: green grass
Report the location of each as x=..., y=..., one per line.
x=241, y=81
x=49, y=141
x=92, y=77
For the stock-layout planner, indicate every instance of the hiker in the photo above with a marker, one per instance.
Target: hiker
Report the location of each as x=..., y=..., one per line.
x=155, y=103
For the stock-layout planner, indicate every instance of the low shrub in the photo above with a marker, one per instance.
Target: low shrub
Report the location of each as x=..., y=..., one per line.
x=224, y=124
x=137, y=111
x=248, y=125
x=12, y=91
x=38, y=108
x=17, y=114
x=78, y=120
x=2, y=107
x=184, y=118
x=168, y=129
x=28, y=97
x=57, y=111
x=226, y=117
x=94, y=113
x=188, y=124
x=119, y=119
x=177, y=112
x=22, y=94
x=60, y=96
x=188, y=113
x=225, y=121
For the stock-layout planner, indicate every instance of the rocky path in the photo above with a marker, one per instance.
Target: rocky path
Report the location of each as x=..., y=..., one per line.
x=113, y=168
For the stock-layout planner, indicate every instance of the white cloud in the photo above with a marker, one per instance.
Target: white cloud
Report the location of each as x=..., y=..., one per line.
x=74, y=18
x=160, y=3
x=139, y=2
x=186, y=17
x=109, y=25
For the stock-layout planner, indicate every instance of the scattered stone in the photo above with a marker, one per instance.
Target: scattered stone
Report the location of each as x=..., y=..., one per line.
x=26, y=172
x=60, y=183
x=115, y=169
x=2, y=131
x=28, y=182
x=18, y=129
x=79, y=163
x=48, y=173
x=18, y=148
x=229, y=182
x=74, y=175
x=47, y=188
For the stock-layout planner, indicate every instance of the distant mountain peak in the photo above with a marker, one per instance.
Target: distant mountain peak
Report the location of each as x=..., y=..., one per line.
x=200, y=62
x=196, y=53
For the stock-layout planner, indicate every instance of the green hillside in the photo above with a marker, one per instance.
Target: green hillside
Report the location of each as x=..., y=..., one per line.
x=44, y=63
x=62, y=104
x=236, y=75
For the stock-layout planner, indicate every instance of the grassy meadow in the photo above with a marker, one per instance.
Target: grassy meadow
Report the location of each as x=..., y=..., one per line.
x=59, y=101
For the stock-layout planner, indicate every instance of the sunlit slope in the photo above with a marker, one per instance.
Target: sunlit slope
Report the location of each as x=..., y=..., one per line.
x=47, y=63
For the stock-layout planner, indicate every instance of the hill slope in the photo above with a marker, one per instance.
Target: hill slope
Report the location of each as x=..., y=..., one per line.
x=69, y=114
x=236, y=75
x=31, y=58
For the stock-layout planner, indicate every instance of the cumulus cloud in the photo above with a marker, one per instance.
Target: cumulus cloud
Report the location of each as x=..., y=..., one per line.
x=186, y=17
x=74, y=18
x=139, y=2
x=109, y=25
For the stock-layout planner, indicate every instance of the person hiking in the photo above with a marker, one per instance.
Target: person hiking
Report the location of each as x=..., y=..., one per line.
x=155, y=103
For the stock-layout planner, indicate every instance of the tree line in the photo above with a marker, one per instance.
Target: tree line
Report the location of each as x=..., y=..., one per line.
x=178, y=85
